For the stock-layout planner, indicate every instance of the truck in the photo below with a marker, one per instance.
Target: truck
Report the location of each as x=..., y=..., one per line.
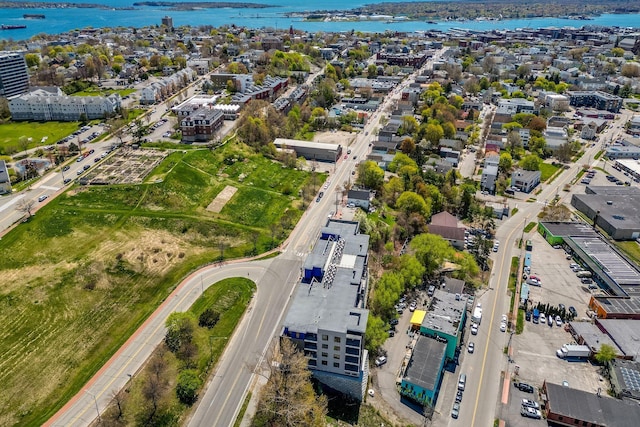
x=536, y=315
x=527, y=259
x=477, y=315
x=572, y=351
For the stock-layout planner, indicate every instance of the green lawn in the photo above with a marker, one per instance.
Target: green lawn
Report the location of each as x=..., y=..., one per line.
x=530, y=226
x=91, y=266
x=41, y=133
x=96, y=91
x=546, y=171
x=631, y=248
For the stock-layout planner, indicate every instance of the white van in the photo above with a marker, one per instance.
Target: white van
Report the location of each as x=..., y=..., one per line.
x=462, y=380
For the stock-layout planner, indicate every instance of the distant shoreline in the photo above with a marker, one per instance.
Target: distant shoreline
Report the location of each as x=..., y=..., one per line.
x=186, y=6
x=471, y=10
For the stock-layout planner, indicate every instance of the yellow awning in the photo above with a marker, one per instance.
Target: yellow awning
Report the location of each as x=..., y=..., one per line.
x=417, y=317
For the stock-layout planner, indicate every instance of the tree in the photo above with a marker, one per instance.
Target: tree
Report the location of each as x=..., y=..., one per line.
x=431, y=250
x=410, y=202
x=433, y=133
x=411, y=270
x=564, y=152
x=605, y=354
x=505, y=163
x=376, y=334
x=287, y=398
x=180, y=327
x=209, y=318
x=370, y=175
x=188, y=385
x=530, y=163
x=26, y=206
x=392, y=189
x=23, y=143
x=155, y=384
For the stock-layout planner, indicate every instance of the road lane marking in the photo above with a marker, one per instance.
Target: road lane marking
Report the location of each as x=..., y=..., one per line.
x=10, y=203
x=497, y=290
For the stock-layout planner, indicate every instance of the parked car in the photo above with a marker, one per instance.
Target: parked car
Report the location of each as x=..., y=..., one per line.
x=471, y=347
x=530, y=413
x=393, y=322
x=459, y=396
x=543, y=318
x=558, y=321
x=65, y=168
x=474, y=329
x=550, y=320
x=524, y=387
x=42, y=198
x=573, y=311
x=381, y=360
x=503, y=327
x=455, y=411
x=530, y=404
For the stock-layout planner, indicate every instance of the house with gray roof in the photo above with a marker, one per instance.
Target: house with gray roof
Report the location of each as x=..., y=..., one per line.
x=5, y=179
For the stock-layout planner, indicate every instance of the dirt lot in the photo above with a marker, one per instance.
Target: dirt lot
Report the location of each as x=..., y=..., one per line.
x=126, y=166
x=535, y=349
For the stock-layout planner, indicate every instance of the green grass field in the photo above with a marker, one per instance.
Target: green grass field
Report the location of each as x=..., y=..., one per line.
x=86, y=271
x=546, y=171
x=96, y=91
x=41, y=133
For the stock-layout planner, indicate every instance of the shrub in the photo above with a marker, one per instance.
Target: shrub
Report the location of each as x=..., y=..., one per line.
x=209, y=318
x=187, y=387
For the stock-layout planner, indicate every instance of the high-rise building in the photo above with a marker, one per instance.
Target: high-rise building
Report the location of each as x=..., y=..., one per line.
x=167, y=21
x=327, y=318
x=14, y=78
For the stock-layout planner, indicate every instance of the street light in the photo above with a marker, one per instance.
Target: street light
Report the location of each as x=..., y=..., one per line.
x=96, y=402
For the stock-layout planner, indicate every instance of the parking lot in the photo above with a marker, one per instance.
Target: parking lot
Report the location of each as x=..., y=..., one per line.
x=534, y=351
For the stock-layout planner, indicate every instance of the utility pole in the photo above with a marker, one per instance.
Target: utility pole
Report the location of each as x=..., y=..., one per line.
x=96, y=402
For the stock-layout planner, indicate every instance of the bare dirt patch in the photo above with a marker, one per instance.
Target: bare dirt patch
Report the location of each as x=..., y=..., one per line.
x=221, y=199
x=338, y=137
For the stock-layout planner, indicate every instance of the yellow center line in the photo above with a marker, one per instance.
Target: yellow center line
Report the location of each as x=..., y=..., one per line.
x=497, y=291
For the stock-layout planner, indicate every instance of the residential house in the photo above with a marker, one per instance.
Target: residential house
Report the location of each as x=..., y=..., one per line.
x=360, y=198
x=525, y=180
x=490, y=173
x=446, y=226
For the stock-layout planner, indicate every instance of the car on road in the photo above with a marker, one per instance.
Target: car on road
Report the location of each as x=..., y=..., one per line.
x=79, y=159
x=92, y=151
x=459, y=394
x=381, y=360
x=455, y=411
x=67, y=180
x=504, y=318
x=471, y=347
x=530, y=413
x=503, y=327
x=524, y=387
x=85, y=167
x=79, y=172
x=530, y=404
x=65, y=168
x=474, y=329
x=42, y=198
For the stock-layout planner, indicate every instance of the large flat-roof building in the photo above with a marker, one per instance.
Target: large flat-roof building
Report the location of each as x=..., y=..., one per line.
x=327, y=318
x=311, y=151
x=5, y=179
x=615, y=209
x=566, y=406
x=595, y=99
x=422, y=375
x=524, y=180
x=445, y=320
x=14, y=77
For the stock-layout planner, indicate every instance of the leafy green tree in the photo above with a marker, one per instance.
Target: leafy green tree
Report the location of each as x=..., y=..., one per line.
x=433, y=133
x=188, y=385
x=370, y=175
x=605, y=354
x=392, y=189
x=411, y=270
x=505, y=163
x=530, y=162
x=410, y=202
x=400, y=160
x=468, y=266
x=431, y=250
x=376, y=334
x=32, y=59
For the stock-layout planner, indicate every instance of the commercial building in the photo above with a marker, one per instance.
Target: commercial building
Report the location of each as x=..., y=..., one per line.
x=625, y=379
x=615, y=209
x=422, y=375
x=167, y=21
x=327, y=318
x=524, y=180
x=311, y=151
x=566, y=406
x=595, y=99
x=611, y=271
x=51, y=104
x=14, y=78
x=514, y=105
x=622, y=152
x=445, y=320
